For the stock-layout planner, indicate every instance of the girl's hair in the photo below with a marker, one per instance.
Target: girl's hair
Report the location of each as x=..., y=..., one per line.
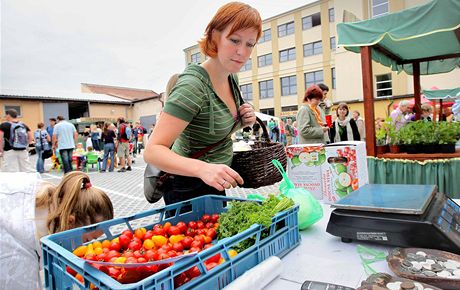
x=74, y=196
x=170, y=85
x=40, y=125
x=343, y=106
x=106, y=128
x=237, y=14
x=313, y=92
x=93, y=127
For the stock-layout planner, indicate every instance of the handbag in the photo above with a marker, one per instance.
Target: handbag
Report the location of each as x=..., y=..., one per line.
x=156, y=181
x=46, y=153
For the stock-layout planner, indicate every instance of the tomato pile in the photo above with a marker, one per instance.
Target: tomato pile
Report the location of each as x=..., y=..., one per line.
x=162, y=242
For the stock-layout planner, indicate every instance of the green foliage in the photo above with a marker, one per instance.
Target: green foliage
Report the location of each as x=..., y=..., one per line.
x=243, y=214
x=423, y=132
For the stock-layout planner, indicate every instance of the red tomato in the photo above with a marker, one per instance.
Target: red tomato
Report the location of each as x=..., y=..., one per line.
x=214, y=218
x=151, y=255
x=182, y=227
x=195, y=249
x=205, y=218
x=209, y=225
x=207, y=239
x=164, y=256
x=200, y=231
x=214, y=259
x=211, y=265
x=187, y=242
x=124, y=241
x=192, y=225
x=128, y=254
x=115, y=246
x=172, y=253
x=199, y=238
x=131, y=260
x=166, y=226
x=114, y=272
x=139, y=233
x=102, y=257
x=166, y=247
x=159, y=231
x=180, y=280
x=199, y=224
x=190, y=232
x=152, y=268
x=138, y=254
x=112, y=254
x=148, y=235
x=70, y=271
x=173, y=230
x=134, y=245
x=178, y=247
x=196, y=244
x=211, y=233
x=128, y=233
x=141, y=260
x=193, y=272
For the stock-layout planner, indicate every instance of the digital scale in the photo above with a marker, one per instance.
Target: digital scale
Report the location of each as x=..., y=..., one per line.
x=398, y=215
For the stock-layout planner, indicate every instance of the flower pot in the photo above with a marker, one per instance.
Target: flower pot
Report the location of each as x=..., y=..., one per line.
x=382, y=149
x=412, y=149
x=446, y=148
x=394, y=149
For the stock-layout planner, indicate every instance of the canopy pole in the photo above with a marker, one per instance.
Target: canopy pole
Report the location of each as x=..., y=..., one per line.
x=440, y=111
x=416, y=70
x=368, y=93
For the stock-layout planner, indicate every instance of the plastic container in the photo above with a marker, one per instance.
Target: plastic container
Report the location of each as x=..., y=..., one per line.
x=283, y=236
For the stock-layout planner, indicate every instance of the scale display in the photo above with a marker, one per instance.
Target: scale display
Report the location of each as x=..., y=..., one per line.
x=398, y=215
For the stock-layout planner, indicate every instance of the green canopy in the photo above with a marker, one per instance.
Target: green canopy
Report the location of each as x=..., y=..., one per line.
x=418, y=33
x=451, y=94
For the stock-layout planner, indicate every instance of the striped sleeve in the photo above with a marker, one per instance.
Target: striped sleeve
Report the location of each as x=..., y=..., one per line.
x=186, y=99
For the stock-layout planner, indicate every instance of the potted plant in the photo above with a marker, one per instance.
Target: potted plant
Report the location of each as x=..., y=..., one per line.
x=381, y=140
x=393, y=136
x=448, y=134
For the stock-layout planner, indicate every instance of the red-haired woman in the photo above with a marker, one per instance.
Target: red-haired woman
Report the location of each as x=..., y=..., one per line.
x=310, y=119
x=203, y=107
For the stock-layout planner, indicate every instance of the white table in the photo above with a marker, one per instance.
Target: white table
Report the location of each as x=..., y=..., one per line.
x=323, y=257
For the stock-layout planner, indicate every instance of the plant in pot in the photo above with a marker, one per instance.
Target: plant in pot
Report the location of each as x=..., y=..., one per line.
x=447, y=134
x=381, y=140
x=393, y=138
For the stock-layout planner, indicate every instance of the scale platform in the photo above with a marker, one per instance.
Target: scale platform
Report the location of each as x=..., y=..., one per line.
x=398, y=215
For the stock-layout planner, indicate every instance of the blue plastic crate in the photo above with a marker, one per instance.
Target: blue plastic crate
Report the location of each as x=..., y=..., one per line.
x=283, y=236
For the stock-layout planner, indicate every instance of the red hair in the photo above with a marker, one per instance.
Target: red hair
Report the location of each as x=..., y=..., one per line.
x=239, y=15
x=313, y=92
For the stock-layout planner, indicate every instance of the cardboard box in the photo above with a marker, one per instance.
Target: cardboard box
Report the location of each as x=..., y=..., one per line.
x=345, y=169
x=304, y=166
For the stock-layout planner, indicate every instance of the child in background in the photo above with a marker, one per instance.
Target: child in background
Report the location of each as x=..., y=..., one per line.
x=80, y=154
x=32, y=208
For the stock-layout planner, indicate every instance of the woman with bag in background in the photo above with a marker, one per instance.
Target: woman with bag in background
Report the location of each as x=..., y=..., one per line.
x=203, y=107
x=35, y=208
x=42, y=141
x=310, y=118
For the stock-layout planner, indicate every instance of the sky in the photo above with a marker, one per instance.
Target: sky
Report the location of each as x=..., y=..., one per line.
x=54, y=45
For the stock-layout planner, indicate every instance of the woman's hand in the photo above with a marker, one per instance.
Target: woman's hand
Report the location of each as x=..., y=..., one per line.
x=220, y=176
x=248, y=116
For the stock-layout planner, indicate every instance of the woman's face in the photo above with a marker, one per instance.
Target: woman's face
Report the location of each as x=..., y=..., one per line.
x=342, y=112
x=234, y=50
x=314, y=101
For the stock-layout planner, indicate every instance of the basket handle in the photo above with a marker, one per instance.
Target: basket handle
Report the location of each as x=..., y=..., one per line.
x=264, y=129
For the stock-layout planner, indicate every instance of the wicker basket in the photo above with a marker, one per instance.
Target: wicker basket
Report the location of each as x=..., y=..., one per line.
x=255, y=166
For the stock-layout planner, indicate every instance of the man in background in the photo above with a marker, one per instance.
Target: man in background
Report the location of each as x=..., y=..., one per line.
x=64, y=139
x=50, y=128
x=360, y=123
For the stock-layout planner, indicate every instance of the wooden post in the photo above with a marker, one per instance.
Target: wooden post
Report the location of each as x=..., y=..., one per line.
x=416, y=71
x=440, y=110
x=368, y=93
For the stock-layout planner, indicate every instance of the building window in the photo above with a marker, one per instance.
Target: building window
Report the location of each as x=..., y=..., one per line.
x=333, y=43
x=247, y=66
x=333, y=77
x=286, y=29
x=311, y=21
x=264, y=60
x=195, y=58
x=266, y=36
x=312, y=48
x=266, y=89
x=287, y=54
x=314, y=77
x=289, y=108
x=246, y=92
x=16, y=108
x=331, y=15
x=269, y=111
x=379, y=7
x=289, y=86
x=383, y=84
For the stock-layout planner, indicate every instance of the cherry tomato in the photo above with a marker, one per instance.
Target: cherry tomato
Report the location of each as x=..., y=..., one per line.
x=190, y=232
x=148, y=235
x=211, y=233
x=199, y=224
x=211, y=265
x=70, y=271
x=195, y=249
x=205, y=218
x=151, y=255
x=187, y=242
x=196, y=244
x=192, y=225
x=214, y=218
x=124, y=241
x=115, y=246
x=140, y=232
x=199, y=238
x=174, y=230
x=193, y=272
x=159, y=231
x=128, y=233
x=209, y=225
x=178, y=247
x=214, y=259
x=166, y=226
x=182, y=227
x=180, y=280
x=134, y=245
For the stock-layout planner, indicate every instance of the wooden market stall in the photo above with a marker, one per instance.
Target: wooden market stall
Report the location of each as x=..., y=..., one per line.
x=422, y=40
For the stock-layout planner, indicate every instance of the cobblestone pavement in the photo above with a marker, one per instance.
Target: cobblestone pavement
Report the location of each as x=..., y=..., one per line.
x=125, y=189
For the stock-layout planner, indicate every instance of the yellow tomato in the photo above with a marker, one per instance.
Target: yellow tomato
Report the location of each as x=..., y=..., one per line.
x=148, y=244
x=97, y=244
x=159, y=240
x=232, y=253
x=176, y=238
x=106, y=244
x=221, y=260
x=89, y=250
x=116, y=240
x=98, y=251
x=120, y=260
x=80, y=251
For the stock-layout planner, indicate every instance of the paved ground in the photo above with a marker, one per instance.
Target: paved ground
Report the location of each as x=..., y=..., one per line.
x=126, y=189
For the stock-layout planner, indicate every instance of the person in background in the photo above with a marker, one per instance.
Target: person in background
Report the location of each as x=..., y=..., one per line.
x=344, y=128
x=295, y=139
x=37, y=208
x=15, y=137
x=399, y=115
x=271, y=126
x=427, y=110
x=256, y=130
x=141, y=131
x=134, y=138
x=379, y=123
x=276, y=133
x=94, y=137
x=282, y=127
x=289, y=131
x=124, y=135
x=64, y=139
x=203, y=108
x=310, y=119
x=50, y=128
x=360, y=123
x=42, y=141
x=325, y=105
x=109, y=137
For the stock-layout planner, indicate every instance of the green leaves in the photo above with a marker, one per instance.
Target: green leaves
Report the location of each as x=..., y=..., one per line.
x=423, y=132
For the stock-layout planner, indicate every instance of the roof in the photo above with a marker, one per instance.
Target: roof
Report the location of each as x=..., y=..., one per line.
x=131, y=94
x=428, y=34
x=442, y=94
x=61, y=96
